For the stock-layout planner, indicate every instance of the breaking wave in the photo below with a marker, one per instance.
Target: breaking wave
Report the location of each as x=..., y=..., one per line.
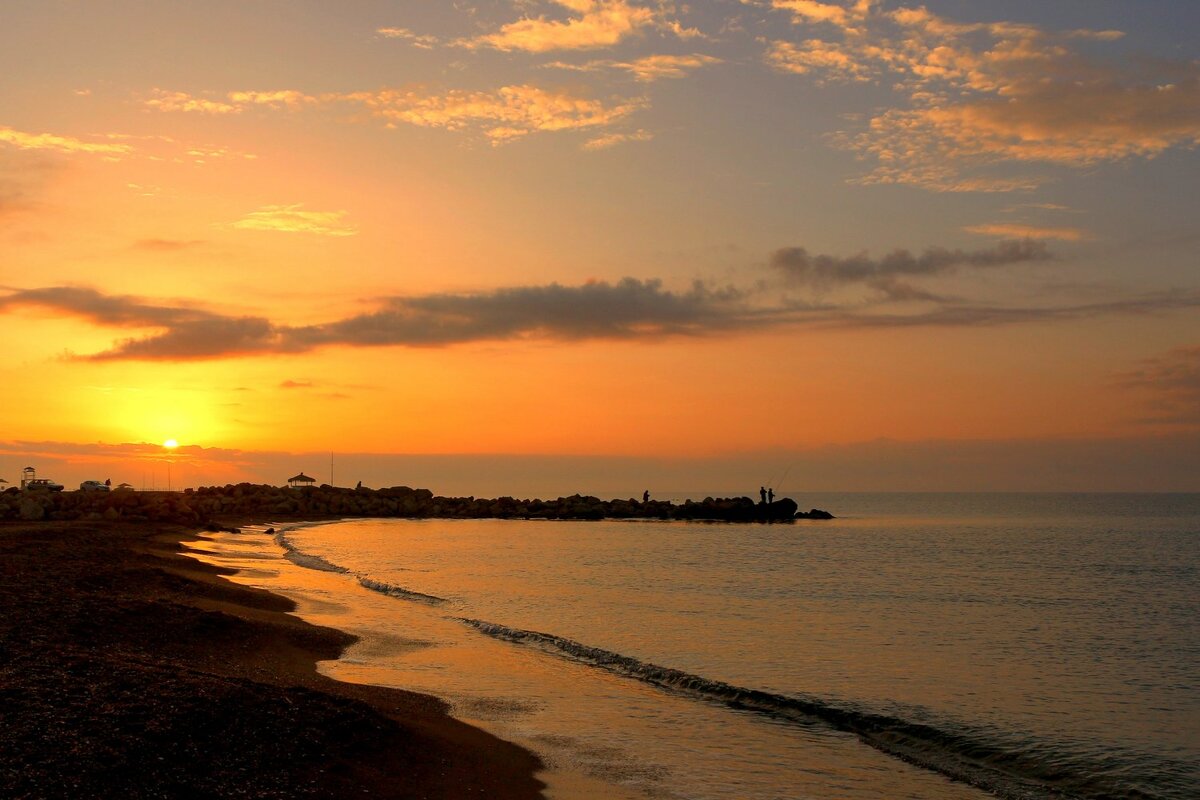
x=303, y=559
x=311, y=561
x=398, y=592
x=1016, y=771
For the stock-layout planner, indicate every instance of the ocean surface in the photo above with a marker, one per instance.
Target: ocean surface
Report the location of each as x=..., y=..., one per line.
x=918, y=646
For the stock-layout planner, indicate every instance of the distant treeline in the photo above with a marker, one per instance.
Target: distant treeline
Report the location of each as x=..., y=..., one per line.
x=254, y=501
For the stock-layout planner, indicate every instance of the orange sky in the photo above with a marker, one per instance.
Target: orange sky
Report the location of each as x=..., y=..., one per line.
x=637, y=230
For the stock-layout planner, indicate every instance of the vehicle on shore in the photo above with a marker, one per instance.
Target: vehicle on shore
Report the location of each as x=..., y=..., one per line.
x=94, y=486
x=42, y=485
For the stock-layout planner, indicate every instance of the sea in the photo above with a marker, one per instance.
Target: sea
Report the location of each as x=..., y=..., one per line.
x=933, y=646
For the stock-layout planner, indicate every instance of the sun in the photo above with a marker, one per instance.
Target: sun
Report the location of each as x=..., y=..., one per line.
x=170, y=444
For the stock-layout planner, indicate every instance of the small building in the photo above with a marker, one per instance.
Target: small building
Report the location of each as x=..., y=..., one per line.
x=300, y=481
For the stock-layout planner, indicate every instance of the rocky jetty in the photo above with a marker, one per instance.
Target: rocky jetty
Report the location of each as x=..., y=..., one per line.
x=249, y=501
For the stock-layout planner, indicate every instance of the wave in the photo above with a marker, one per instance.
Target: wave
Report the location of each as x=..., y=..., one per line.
x=1007, y=771
x=312, y=561
x=399, y=591
x=303, y=559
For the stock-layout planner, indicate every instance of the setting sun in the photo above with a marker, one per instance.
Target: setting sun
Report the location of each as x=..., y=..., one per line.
x=170, y=444
x=799, y=234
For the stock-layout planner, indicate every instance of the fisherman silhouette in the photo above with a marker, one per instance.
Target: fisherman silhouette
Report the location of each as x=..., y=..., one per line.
x=646, y=496
x=763, y=494
x=770, y=496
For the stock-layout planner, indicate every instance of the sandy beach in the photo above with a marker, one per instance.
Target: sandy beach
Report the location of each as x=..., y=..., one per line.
x=129, y=670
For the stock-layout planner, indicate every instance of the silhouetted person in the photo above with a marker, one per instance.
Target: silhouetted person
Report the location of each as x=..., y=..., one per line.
x=358, y=485
x=108, y=482
x=646, y=496
x=770, y=496
x=762, y=493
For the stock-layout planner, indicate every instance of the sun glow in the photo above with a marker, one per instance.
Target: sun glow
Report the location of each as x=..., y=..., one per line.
x=170, y=444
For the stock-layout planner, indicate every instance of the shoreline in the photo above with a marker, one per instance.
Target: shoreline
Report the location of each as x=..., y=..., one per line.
x=128, y=668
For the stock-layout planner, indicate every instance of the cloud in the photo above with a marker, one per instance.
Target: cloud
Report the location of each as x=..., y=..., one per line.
x=290, y=384
x=294, y=219
x=205, y=337
x=502, y=115
x=109, y=310
x=1039, y=207
x=629, y=309
x=648, y=68
x=423, y=42
x=828, y=59
x=279, y=98
x=508, y=113
x=607, y=140
x=798, y=265
x=164, y=100
x=1015, y=230
x=233, y=103
x=978, y=99
x=592, y=24
x=1174, y=379
x=60, y=144
x=811, y=11
x=188, y=332
x=971, y=315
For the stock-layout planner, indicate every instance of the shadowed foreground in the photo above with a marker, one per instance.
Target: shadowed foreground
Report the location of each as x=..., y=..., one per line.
x=128, y=670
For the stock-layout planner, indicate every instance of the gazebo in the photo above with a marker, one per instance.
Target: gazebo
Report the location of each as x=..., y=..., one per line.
x=300, y=481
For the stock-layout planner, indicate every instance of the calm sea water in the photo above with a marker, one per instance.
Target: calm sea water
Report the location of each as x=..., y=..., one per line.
x=921, y=646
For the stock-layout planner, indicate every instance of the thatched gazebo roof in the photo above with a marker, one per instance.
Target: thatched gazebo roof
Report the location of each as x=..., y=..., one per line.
x=295, y=480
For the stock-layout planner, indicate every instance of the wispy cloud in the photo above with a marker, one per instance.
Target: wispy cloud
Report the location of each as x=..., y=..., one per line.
x=628, y=310
x=508, y=113
x=974, y=315
x=1174, y=379
x=607, y=140
x=295, y=219
x=590, y=24
x=884, y=273
x=60, y=144
x=648, y=68
x=425, y=42
x=501, y=115
x=981, y=98
x=163, y=100
x=277, y=98
x=230, y=103
x=103, y=309
x=1016, y=230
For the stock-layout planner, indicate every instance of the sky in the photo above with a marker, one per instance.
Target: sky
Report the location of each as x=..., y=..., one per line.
x=536, y=247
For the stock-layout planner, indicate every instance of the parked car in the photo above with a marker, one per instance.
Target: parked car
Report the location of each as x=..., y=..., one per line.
x=43, y=485
x=93, y=486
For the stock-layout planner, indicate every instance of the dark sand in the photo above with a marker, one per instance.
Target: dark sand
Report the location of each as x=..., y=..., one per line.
x=128, y=670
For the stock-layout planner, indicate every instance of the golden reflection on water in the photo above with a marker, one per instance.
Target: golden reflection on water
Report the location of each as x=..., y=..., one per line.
x=600, y=734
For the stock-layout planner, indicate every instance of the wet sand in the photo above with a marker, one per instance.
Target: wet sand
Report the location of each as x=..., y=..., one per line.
x=129, y=670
